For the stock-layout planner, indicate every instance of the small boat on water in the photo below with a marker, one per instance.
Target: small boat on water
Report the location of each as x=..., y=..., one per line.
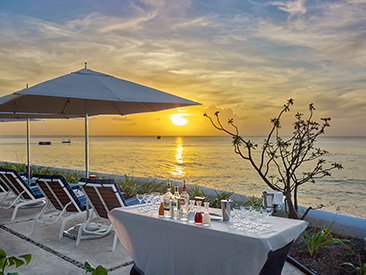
x=66, y=141
x=158, y=137
x=44, y=143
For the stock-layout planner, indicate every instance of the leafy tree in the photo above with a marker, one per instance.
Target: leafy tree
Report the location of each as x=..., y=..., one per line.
x=280, y=159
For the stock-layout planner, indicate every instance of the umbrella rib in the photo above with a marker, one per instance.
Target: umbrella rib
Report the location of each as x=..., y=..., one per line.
x=17, y=103
x=115, y=106
x=145, y=106
x=67, y=104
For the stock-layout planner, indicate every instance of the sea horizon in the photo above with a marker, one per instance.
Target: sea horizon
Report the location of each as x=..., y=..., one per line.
x=33, y=136
x=203, y=160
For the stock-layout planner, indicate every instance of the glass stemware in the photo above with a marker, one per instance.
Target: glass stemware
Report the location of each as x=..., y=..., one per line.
x=260, y=217
x=267, y=212
x=234, y=217
x=252, y=216
x=147, y=201
x=140, y=198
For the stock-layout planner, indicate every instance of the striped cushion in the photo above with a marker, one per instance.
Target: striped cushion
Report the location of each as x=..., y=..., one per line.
x=131, y=201
x=80, y=201
x=34, y=191
x=106, y=181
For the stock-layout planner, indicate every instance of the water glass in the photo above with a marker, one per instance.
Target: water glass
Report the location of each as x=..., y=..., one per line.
x=253, y=216
x=140, y=198
x=267, y=212
x=147, y=201
x=234, y=218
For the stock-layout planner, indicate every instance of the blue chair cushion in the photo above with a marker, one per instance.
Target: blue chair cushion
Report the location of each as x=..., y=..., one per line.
x=132, y=201
x=82, y=200
x=36, y=192
x=24, y=175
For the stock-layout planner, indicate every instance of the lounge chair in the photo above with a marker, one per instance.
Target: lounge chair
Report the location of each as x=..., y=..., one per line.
x=12, y=182
x=59, y=193
x=104, y=195
x=4, y=190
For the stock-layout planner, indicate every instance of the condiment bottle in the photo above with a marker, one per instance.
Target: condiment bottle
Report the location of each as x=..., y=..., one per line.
x=184, y=203
x=198, y=216
x=206, y=220
x=191, y=212
x=176, y=204
x=167, y=202
x=161, y=208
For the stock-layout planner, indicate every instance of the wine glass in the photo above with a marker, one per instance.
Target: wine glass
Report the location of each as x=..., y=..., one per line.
x=252, y=215
x=146, y=200
x=267, y=212
x=140, y=198
x=234, y=216
x=155, y=200
x=260, y=217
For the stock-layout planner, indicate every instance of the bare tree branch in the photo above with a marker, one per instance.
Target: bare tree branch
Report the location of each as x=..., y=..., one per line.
x=285, y=158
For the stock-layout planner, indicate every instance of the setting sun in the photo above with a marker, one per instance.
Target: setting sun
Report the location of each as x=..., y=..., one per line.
x=178, y=119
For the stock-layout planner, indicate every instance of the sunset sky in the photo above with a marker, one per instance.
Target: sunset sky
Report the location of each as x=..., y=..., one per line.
x=244, y=58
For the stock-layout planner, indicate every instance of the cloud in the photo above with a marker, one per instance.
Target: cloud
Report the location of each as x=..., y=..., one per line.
x=292, y=7
x=121, y=118
x=248, y=60
x=332, y=30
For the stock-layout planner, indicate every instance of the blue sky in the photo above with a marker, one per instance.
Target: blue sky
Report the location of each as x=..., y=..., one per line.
x=245, y=58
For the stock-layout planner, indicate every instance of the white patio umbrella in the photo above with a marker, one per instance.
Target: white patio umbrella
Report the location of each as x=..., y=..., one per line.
x=8, y=117
x=87, y=93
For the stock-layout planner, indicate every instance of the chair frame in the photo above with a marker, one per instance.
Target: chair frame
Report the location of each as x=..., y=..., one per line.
x=104, y=195
x=4, y=190
x=24, y=194
x=64, y=205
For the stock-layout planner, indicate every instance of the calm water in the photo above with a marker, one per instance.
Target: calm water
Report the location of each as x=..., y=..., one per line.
x=206, y=161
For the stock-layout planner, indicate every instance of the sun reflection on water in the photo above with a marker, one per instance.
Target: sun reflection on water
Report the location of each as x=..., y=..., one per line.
x=177, y=169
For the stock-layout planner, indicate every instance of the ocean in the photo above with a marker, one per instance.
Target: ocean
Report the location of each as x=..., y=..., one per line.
x=205, y=161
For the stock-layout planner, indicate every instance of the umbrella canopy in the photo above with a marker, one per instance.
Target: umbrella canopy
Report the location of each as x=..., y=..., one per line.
x=18, y=119
x=87, y=93
x=104, y=94
x=13, y=116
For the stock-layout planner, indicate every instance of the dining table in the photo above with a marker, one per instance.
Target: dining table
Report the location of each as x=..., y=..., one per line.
x=167, y=246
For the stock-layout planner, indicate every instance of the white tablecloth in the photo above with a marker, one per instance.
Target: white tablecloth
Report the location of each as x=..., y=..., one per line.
x=166, y=246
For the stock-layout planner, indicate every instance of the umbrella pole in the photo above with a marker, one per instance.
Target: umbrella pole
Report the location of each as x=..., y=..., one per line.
x=28, y=151
x=86, y=141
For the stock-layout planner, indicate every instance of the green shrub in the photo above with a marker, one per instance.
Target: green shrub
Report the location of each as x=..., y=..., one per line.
x=128, y=186
x=19, y=167
x=216, y=202
x=100, y=270
x=150, y=185
x=196, y=192
x=361, y=269
x=13, y=260
x=254, y=202
x=320, y=239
